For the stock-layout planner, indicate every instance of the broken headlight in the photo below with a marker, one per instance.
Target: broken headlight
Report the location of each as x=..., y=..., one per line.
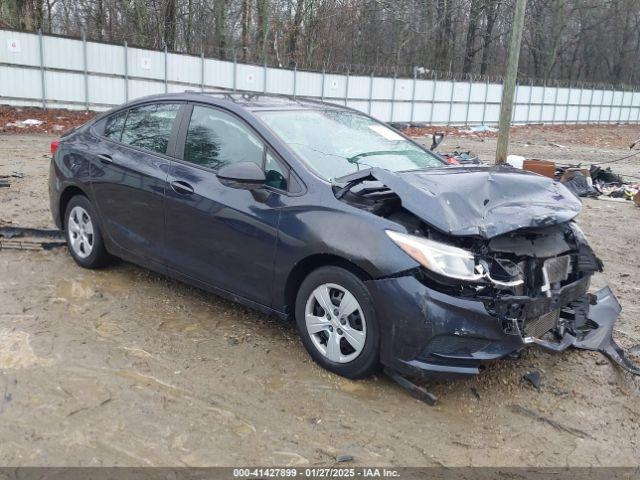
x=440, y=258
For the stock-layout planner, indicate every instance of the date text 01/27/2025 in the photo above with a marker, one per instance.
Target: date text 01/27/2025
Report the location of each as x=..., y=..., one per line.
x=319, y=472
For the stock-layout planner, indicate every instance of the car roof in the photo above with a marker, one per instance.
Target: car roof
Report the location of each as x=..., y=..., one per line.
x=248, y=100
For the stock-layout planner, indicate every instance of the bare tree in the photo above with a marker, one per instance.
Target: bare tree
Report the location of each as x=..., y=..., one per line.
x=572, y=40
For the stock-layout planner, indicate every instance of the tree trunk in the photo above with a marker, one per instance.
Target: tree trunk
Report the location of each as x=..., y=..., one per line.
x=262, y=27
x=221, y=28
x=246, y=20
x=170, y=20
x=470, y=48
x=294, y=32
x=491, y=12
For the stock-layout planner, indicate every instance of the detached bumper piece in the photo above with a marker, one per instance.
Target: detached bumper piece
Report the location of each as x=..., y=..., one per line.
x=414, y=390
x=593, y=329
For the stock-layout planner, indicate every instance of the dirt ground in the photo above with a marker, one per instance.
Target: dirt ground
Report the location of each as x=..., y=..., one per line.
x=126, y=367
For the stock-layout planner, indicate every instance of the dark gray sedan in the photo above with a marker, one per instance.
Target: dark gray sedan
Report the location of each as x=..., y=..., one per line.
x=382, y=253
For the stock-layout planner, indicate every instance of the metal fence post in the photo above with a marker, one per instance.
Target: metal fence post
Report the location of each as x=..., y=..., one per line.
x=580, y=103
x=413, y=95
x=624, y=92
x=555, y=105
x=638, y=115
x=126, y=72
x=433, y=98
x=611, y=105
x=466, y=114
x=486, y=96
x=323, y=80
x=370, y=91
x=453, y=89
x=265, y=72
x=529, y=104
x=42, y=76
x=202, y=71
x=295, y=79
x=590, y=105
x=346, y=90
x=633, y=94
x=235, y=71
x=543, y=100
x=566, y=108
x=393, y=96
x=166, y=86
x=515, y=103
x=86, y=74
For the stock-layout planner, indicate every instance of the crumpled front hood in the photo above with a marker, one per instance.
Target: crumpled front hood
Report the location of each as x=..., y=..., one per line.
x=484, y=201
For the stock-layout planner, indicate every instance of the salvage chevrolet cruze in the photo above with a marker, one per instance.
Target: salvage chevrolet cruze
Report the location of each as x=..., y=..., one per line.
x=381, y=253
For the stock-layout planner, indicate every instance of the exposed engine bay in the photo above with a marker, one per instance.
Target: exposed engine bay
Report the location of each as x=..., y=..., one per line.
x=513, y=246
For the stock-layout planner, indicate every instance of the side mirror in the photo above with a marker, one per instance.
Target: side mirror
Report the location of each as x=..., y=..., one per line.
x=244, y=175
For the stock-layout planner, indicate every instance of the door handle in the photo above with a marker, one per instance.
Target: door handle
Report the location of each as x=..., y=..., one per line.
x=183, y=188
x=105, y=158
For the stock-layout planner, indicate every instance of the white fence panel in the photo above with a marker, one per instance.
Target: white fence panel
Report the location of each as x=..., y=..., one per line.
x=308, y=84
x=72, y=73
x=107, y=59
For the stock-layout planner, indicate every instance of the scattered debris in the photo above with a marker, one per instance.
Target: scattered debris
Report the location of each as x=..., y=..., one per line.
x=534, y=378
x=29, y=245
x=31, y=122
x=578, y=184
x=38, y=120
x=12, y=232
x=516, y=161
x=520, y=410
x=436, y=139
x=482, y=129
x=461, y=158
x=4, y=179
x=55, y=238
x=413, y=389
x=344, y=458
x=541, y=167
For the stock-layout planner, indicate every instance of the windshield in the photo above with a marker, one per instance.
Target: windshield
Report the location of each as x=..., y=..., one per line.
x=335, y=143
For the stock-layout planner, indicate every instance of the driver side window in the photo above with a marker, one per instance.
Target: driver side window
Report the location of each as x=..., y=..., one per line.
x=216, y=139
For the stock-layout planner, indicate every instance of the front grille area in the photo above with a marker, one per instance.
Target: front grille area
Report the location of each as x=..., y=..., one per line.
x=537, y=327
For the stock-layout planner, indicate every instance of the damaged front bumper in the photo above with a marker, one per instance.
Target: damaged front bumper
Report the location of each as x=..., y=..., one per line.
x=437, y=334
x=596, y=332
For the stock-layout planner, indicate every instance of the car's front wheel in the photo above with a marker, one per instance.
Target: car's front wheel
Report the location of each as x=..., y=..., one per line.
x=84, y=237
x=336, y=321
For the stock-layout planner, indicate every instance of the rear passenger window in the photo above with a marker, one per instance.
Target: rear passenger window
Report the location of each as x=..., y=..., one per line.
x=215, y=139
x=149, y=126
x=113, y=126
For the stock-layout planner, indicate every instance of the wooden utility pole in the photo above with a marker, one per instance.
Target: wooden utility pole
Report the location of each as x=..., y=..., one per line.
x=509, y=85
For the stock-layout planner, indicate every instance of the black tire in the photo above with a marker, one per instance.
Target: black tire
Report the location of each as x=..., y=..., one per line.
x=367, y=361
x=99, y=257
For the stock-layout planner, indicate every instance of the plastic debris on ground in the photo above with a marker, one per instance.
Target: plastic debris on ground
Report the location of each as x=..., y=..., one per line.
x=461, y=158
x=480, y=129
x=595, y=182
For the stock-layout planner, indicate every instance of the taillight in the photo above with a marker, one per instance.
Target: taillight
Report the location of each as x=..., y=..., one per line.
x=54, y=146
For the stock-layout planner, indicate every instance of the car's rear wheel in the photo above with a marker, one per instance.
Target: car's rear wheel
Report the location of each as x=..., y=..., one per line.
x=84, y=238
x=336, y=321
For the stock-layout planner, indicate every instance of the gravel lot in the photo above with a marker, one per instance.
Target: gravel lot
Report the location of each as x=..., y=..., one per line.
x=126, y=367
